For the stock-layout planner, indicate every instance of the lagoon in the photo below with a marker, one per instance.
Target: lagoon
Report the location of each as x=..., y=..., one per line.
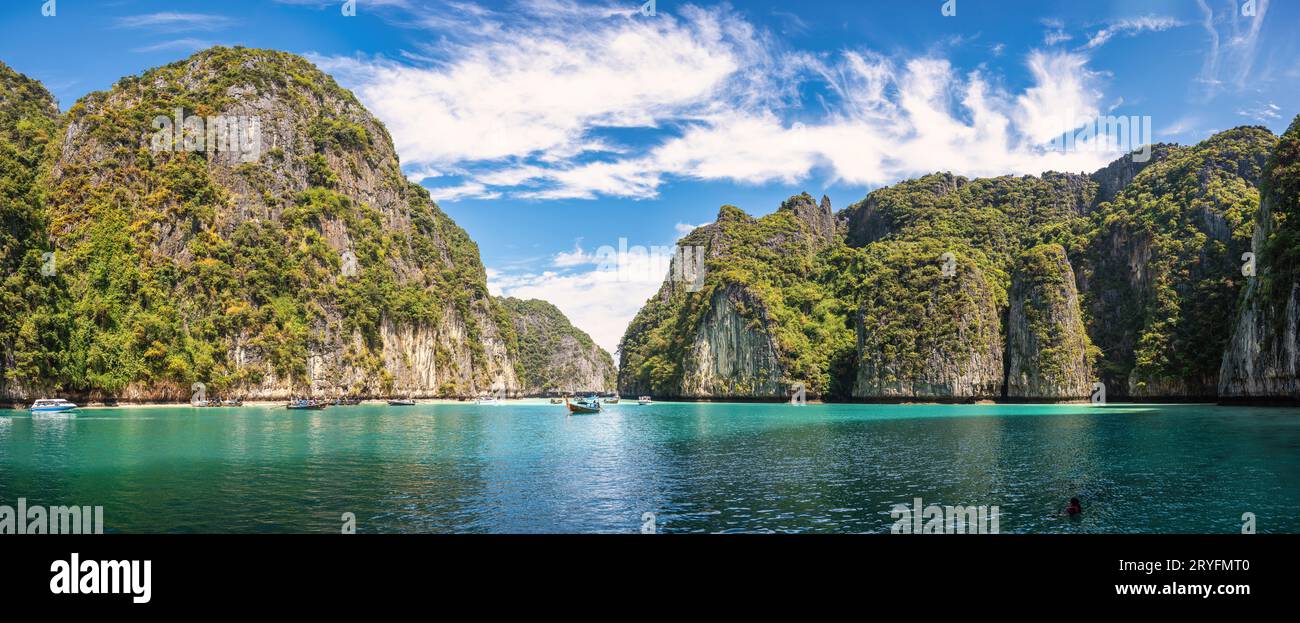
x=526, y=466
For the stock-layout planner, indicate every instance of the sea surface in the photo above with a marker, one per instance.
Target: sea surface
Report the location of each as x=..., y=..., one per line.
x=527, y=466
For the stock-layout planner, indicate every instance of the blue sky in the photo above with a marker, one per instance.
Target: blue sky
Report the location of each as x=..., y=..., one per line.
x=550, y=129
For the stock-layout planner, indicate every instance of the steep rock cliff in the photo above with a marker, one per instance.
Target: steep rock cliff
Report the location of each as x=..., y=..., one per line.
x=1161, y=271
x=291, y=258
x=924, y=334
x=1048, y=352
x=555, y=356
x=27, y=124
x=1262, y=359
x=755, y=322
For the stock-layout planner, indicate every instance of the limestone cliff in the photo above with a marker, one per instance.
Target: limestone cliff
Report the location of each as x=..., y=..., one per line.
x=239, y=223
x=1262, y=359
x=750, y=324
x=937, y=337
x=1160, y=273
x=556, y=357
x=1048, y=352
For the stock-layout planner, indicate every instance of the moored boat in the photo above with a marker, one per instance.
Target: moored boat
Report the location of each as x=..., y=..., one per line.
x=400, y=402
x=52, y=405
x=557, y=401
x=582, y=406
x=644, y=400
x=614, y=400
x=305, y=403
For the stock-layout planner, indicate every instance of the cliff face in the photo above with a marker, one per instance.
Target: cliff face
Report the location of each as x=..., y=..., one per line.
x=1048, y=352
x=1262, y=360
x=238, y=222
x=753, y=323
x=1129, y=276
x=937, y=338
x=555, y=356
x=731, y=353
x=1161, y=271
x=27, y=123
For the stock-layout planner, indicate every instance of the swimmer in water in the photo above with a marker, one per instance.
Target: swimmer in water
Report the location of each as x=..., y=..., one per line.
x=1075, y=508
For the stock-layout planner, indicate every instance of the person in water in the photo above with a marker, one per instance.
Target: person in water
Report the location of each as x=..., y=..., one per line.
x=1075, y=508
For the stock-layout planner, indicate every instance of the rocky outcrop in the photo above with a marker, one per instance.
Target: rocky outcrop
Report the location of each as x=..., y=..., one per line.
x=1120, y=173
x=27, y=123
x=1047, y=348
x=721, y=328
x=1262, y=358
x=731, y=353
x=1160, y=275
x=556, y=357
x=937, y=337
x=239, y=222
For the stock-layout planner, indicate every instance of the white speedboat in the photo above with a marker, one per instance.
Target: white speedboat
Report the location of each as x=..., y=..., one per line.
x=52, y=405
x=644, y=400
x=487, y=400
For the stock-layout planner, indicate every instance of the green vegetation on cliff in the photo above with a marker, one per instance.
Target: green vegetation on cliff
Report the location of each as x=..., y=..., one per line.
x=555, y=356
x=1163, y=265
x=782, y=262
x=923, y=271
x=27, y=125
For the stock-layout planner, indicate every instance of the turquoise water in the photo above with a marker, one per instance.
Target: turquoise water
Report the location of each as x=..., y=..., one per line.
x=527, y=467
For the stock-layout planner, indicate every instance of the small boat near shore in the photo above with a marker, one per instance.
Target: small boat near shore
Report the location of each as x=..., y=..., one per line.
x=52, y=405
x=644, y=400
x=583, y=407
x=557, y=401
x=305, y=404
x=399, y=402
x=613, y=401
x=347, y=402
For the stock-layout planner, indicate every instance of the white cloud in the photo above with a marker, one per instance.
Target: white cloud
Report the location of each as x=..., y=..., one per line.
x=534, y=108
x=604, y=296
x=683, y=229
x=1055, y=33
x=1228, y=63
x=169, y=21
x=1131, y=26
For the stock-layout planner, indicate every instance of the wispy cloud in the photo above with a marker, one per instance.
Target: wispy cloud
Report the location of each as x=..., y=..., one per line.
x=1055, y=32
x=1131, y=26
x=1228, y=62
x=531, y=105
x=187, y=45
x=176, y=22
